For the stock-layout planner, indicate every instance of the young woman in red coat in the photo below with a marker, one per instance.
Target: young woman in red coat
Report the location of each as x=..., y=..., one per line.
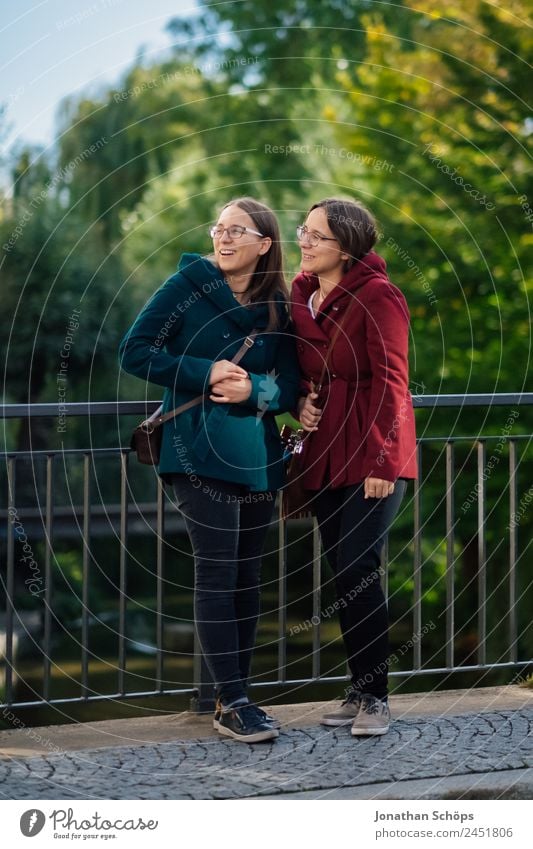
x=361, y=449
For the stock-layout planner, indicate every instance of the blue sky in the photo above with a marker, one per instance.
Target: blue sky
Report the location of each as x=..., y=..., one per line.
x=53, y=48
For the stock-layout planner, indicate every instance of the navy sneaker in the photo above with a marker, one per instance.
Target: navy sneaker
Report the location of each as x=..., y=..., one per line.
x=275, y=723
x=246, y=723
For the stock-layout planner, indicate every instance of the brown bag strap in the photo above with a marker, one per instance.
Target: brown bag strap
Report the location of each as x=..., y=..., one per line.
x=156, y=420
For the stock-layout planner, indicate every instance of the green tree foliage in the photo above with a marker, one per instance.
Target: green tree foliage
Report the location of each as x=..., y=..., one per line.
x=56, y=274
x=291, y=101
x=455, y=130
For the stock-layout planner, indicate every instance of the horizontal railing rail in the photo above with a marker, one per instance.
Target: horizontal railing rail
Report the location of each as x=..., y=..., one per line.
x=123, y=408
x=47, y=523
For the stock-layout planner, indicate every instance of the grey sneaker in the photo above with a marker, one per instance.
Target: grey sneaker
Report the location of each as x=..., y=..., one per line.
x=373, y=717
x=346, y=713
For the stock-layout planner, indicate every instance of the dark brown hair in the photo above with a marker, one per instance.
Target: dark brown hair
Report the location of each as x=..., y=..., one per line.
x=353, y=226
x=268, y=280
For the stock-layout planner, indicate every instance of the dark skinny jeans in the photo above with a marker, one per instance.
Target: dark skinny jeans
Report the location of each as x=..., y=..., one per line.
x=353, y=531
x=227, y=526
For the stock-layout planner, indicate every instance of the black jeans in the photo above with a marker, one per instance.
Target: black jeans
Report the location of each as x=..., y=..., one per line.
x=353, y=531
x=227, y=526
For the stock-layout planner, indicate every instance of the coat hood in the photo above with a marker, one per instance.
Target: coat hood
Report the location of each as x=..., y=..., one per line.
x=197, y=267
x=369, y=266
x=210, y=280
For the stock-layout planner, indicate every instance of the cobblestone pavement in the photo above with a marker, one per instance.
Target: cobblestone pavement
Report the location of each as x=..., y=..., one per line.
x=313, y=758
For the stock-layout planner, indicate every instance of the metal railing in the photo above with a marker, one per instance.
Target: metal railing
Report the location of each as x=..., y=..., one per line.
x=21, y=524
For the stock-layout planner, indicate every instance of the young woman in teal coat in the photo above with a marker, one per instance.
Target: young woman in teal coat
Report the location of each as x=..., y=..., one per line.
x=224, y=457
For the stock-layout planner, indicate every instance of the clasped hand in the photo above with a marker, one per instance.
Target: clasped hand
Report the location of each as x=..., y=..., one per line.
x=309, y=416
x=229, y=383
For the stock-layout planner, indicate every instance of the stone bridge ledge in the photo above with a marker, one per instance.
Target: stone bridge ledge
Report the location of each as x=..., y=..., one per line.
x=466, y=737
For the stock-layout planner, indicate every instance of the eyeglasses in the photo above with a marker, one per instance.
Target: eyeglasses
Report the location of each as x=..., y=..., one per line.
x=235, y=231
x=311, y=236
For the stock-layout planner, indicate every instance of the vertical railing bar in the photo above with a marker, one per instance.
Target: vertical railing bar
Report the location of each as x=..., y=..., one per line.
x=47, y=661
x=159, y=583
x=282, y=597
x=482, y=555
x=450, y=555
x=10, y=578
x=85, y=575
x=203, y=701
x=317, y=599
x=123, y=567
x=384, y=566
x=417, y=565
x=513, y=551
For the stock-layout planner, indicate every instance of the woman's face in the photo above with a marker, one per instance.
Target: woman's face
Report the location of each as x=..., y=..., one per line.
x=238, y=256
x=326, y=259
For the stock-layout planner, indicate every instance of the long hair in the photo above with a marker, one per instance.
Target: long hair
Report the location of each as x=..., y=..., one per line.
x=268, y=280
x=352, y=224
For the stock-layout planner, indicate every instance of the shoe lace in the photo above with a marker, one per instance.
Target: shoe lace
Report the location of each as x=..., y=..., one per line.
x=260, y=712
x=352, y=697
x=251, y=714
x=371, y=705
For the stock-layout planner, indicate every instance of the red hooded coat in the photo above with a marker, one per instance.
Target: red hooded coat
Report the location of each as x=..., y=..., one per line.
x=367, y=428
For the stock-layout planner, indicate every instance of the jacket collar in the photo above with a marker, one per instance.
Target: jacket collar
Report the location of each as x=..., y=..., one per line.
x=370, y=266
x=210, y=281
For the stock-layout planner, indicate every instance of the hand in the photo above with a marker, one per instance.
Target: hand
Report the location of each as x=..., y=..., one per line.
x=224, y=370
x=308, y=414
x=378, y=488
x=232, y=390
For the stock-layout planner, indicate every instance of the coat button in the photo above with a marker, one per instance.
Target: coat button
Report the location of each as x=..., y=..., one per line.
x=335, y=308
x=334, y=376
x=259, y=343
x=226, y=335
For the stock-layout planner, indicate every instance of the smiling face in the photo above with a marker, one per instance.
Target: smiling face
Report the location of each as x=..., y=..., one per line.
x=238, y=257
x=326, y=260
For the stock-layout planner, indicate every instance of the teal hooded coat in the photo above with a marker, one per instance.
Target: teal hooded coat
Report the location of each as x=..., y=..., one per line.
x=190, y=322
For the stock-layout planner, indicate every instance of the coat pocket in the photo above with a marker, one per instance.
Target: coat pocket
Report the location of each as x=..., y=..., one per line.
x=208, y=430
